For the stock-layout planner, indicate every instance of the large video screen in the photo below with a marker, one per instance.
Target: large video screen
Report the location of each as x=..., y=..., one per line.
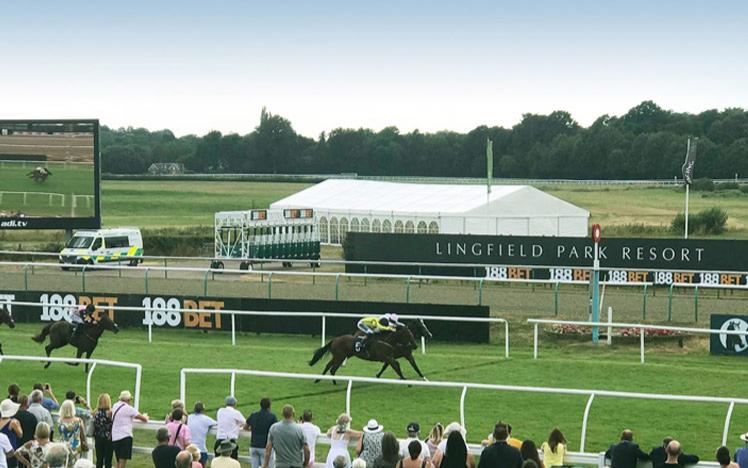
x=49, y=174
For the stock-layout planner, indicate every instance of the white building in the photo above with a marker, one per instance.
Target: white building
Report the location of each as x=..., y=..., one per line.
x=343, y=205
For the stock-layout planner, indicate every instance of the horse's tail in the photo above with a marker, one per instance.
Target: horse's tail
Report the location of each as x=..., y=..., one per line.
x=43, y=335
x=320, y=352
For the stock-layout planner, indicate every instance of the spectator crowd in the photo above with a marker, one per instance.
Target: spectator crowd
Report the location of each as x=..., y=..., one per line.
x=30, y=437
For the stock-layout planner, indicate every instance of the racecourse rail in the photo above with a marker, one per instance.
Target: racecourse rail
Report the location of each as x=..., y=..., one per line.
x=590, y=394
x=94, y=362
x=480, y=282
x=640, y=326
x=322, y=315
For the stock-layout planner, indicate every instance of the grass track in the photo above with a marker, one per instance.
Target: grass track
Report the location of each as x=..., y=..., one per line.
x=668, y=370
x=67, y=180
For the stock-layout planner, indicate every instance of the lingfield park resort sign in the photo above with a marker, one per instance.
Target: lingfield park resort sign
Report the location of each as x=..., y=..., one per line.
x=557, y=258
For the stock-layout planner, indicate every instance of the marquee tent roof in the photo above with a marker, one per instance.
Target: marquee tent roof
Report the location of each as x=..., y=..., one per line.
x=344, y=195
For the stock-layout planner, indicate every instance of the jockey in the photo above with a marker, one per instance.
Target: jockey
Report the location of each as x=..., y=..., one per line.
x=376, y=325
x=82, y=319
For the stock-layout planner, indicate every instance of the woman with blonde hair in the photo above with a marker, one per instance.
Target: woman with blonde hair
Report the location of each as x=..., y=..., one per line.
x=435, y=438
x=102, y=431
x=340, y=435
x=34, y=452
x=72, y=431
x=195, y=452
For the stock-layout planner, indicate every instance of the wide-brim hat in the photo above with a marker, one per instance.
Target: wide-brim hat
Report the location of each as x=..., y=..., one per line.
x=372, y=427
x=226, y=446
x=8, y=409
x=125, y=395
x=743, y=437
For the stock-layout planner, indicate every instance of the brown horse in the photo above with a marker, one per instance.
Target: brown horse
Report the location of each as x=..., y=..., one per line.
x=61, y=334
x=419, y=330
x=6, y=318
x=378, y=350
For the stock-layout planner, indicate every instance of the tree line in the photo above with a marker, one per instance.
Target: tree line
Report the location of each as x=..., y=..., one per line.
x=647, y=142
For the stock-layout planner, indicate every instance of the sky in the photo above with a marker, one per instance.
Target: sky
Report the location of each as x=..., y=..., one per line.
x=195, y=66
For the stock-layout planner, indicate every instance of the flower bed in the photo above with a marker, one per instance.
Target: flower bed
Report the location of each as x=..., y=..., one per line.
x=584, y=333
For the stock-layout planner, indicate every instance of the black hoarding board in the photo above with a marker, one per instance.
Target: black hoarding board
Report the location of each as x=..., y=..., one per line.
x=50, y=172
x=160, y=312
x=554, y=258
x=729, y=344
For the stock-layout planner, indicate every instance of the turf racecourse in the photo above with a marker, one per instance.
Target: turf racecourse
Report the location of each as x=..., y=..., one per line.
x=668, y=370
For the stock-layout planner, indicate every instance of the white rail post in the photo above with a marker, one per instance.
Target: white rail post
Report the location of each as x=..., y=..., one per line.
x=462, y=406
x=348, y=398
x=535, y=341
x=641, y=345
x=583, y=439
x=610, y=329
x=182, y=385
x=423, y=345
x=506, y=339
x=727, y=422
x=88, y=383
x=232, y=391
x=138, y=376
x=324, y=329
x=233, y=329
x=150, y=330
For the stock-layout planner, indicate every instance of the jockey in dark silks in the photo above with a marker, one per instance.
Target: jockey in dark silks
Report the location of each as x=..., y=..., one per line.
x=375, y=325
x=83, y=319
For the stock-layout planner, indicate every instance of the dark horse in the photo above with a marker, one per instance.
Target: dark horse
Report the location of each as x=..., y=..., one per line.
x=419, y=330
x=6, y=318
x=60, y=334
x=384, y=349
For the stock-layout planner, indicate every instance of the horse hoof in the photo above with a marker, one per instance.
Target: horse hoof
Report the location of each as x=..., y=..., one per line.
x=425, y=379
x=318, y=381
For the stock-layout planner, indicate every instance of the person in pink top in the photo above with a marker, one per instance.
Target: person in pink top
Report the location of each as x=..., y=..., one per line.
x=179, y=433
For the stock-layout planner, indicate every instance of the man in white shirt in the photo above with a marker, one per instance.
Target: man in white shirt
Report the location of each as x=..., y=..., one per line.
x=6, y=450
x=311, y=432
x=200, y=424
x=413, y=430
x=122, y=417
x=229, y=422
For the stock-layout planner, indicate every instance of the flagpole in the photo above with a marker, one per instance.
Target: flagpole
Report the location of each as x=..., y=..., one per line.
x=489, y=175
x=685, y=236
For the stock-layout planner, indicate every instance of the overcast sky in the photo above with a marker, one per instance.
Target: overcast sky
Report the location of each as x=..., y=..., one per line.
x=198, y=66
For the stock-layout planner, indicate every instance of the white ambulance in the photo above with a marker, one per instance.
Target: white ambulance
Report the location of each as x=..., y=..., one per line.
x=88, y=247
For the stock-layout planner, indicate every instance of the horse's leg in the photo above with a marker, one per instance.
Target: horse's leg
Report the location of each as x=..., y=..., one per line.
x=327, y=368
x=396, y=367
x=413, y=364
x=1, y=350
x=78, y=354
x=48, y=350
x=337, y=362
x=384, y=367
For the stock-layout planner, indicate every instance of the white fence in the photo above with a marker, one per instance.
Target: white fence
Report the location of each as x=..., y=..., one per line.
x=24, y=196
x=610, y=325
x=94, y=362
x=163, y=313
x=590, y=394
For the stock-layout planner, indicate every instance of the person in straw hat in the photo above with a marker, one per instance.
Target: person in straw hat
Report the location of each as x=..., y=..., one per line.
x=223, y=459
x=370, y=445
x=741, y=454
x=123, y=415
x=10, y=427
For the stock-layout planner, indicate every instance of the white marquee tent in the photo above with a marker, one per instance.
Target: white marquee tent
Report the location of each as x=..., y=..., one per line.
x=343, y=205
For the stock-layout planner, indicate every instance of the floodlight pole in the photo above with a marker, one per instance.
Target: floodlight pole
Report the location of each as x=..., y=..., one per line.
x=596, y=295
x=685, y=234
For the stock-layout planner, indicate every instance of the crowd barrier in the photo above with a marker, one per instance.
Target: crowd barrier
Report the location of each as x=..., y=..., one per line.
x=94, y=362
x=590, y=394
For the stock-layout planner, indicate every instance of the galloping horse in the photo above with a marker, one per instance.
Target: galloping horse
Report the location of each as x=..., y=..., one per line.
x=419, y=329
x=61, y=334
x=39, y=174
x=6, y=318
x=399, y=343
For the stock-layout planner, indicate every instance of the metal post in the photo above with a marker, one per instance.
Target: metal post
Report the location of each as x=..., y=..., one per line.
x=88, y=381
x=462, y=406
x=696, y=304
x=641, y=345
x=83, y=279
x=205, y=282
x=348, y=398
x=233, y=329
x=644, y=303
x=727, y=422
x=535, y=341
x=146, y=280
x=138, y=375
x=555, y=297
x=584, y=422
x=270, y=285
x=480, y=291
x=324, y=329
x=610, y=329
x=596, y=295
x=150, y=330
x=365, y=268
x=337, y=286
x=407, y=290
x=119, y=268
x=166, y=271
x=506, y=339
x=670, y=303
x=25, y=278
x=232, y=391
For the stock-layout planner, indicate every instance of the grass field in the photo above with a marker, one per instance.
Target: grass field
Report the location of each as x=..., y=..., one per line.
x=65, y=180
x=668, y=370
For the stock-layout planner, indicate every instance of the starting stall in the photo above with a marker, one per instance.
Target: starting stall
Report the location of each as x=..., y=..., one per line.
x=264, y=235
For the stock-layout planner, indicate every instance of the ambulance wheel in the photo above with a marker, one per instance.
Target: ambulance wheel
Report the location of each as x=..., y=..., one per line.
x=134, y=262
x=244, y=266
x=287, y=264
